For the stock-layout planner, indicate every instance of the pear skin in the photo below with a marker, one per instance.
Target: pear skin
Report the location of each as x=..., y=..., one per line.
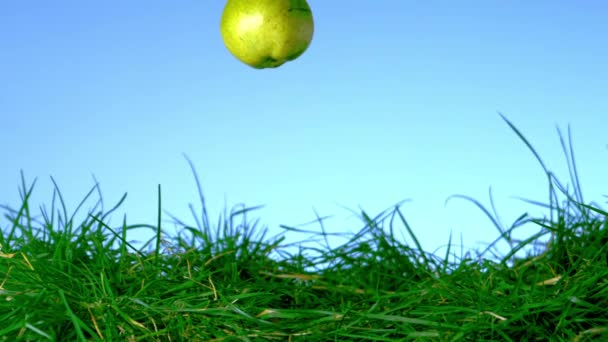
x=266, y=33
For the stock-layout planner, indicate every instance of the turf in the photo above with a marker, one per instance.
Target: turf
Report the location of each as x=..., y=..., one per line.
x=67, y=281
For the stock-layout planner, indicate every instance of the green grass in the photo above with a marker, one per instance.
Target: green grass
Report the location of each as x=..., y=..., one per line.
x=67, y=281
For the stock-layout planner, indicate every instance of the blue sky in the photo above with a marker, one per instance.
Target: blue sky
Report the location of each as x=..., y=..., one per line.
x=393, y=100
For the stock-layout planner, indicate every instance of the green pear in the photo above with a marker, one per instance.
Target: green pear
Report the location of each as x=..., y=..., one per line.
x=266, y=33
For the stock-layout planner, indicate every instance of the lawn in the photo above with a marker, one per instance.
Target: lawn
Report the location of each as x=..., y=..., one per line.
x=62, y=280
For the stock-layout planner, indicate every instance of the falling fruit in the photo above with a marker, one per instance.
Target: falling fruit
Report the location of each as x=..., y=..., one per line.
x=266, y=33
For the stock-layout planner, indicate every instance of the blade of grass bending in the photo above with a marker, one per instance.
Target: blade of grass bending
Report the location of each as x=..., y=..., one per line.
x=22, y=212
x=521, y=136
x=106, y=214
x=484, y=210
x=123, y=239
x=100, y=201
x=77, y=322
x=158, y=232
x=552, y=194
x=306, y=231
x=393, y=215
x=204, y=216
x=501, y=226
x=26, y=206
x=408, y=320
x=520, y=246
x=37, y=331
x=597, y=210
x=520, y=221
x=323, y=231
x=62, y=202
x=572, y=169
x=411, y=232
x=447, y=254
x=492, y=244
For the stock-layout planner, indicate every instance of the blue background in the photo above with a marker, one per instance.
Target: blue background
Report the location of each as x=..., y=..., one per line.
x=393, y=100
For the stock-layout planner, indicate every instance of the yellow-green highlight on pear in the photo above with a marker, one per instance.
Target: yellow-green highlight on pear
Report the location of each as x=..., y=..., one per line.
x=266, y=33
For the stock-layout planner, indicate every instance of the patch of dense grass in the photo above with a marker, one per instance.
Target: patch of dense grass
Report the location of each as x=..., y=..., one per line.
x=62, y=281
